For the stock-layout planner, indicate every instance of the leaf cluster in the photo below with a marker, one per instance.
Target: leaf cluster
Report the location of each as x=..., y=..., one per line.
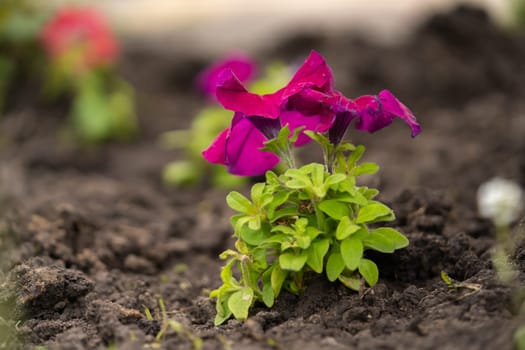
x=306, y=221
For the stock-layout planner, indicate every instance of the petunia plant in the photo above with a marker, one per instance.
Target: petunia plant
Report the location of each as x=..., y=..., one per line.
x=311, y=219
x=212, y=119
x=82, y=51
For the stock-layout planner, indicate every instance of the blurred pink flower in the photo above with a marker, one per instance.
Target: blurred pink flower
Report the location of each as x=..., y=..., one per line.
x=240, y=64
x=82, y=32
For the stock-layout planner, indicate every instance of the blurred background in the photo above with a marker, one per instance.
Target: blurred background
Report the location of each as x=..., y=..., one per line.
x=216, y=25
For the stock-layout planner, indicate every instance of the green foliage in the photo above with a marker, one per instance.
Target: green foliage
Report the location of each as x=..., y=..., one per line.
x=305, y=221
x=103, y=110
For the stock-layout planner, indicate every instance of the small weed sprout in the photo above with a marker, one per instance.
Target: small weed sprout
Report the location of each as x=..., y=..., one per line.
x=311, y=219
x=169, y=325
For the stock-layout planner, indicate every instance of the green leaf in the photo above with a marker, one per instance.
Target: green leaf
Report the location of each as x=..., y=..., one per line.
x=259, y=258
x=91, y=116
x=366, y=168
x=319, y=138
x=238, y=202
x=385, y=240
x=368, y=193
x=333, y=180
x=223, y=311
x=292, y=262
x=239, y=303
x=334, y=266
x=379, y=242
x=283, y=213
x=400, y=240
x=227, y=254
x=278, y=199
x=272, y=178
x=345, y=228
x=316, y=171
x=353, y=282
x=254, y=222
x=283, y=136
x=345, y=147
x=303, y=242
x=257, y=191
x=313, y=232
x=368, y=269
x=298, y=179
x=226, y=273
x=351, y=251
x=277, y=279
x=374, y=212
x=295, y=134
x=334, y=209
x=316, y=254
x=355, y=195
x=287, y=230
x=355, y=156
x=268, y=295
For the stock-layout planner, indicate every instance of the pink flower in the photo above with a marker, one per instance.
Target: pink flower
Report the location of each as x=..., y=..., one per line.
x=241, y=65
x=309, y=101
x=83, y=32
x=371, y=114
x=376, y=112
x=297, y=104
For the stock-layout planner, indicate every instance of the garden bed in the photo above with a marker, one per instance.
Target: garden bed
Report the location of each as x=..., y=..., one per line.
x=96, y=240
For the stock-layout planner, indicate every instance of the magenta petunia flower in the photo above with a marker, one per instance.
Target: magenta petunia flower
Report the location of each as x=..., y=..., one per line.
x=376, y=112
x=312, y=81
x=83, y=32
x=371, y=114
x=260, y=117
x=240, y=64
x=309, y=101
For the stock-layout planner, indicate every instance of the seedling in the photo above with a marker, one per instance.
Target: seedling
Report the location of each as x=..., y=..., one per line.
x=311, y=219
x=455, y=285
x=169, y=325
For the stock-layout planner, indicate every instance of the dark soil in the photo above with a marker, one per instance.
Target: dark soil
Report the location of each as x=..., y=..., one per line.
x=92, y=237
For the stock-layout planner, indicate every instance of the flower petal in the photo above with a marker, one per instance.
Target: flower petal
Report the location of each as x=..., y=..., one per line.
x=234, y=96
x=314, y=73
x=243, y=154
x=242, y=66
x=376, y=112
x=216, y=152
x=393, y=105
x=295, y=119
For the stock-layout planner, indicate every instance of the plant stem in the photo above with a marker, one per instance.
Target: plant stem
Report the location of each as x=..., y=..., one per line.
x=318, y=214
x=287, y=155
